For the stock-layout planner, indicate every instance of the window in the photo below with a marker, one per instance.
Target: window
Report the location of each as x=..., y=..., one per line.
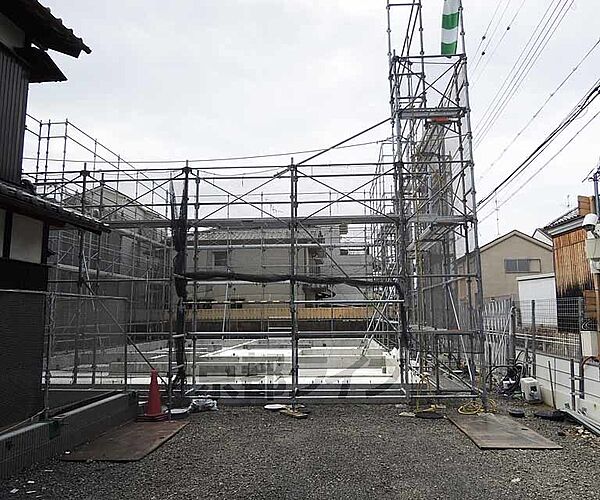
x=522, y=266
x=27, y=239
x=237, y=303
x=220, y=259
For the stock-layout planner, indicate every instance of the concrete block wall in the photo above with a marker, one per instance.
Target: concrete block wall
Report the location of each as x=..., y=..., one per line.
x=41, y=441
x=561, y=378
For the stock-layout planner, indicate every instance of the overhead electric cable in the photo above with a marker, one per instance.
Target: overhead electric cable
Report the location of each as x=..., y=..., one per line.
x=516, y=84
x=480, y=55
x=576, y=112
x=203, y=160
x=485, y=33
x=497, y=45
x=529, y=179
x=537, y=113
x=528, y=57
x=522, y=55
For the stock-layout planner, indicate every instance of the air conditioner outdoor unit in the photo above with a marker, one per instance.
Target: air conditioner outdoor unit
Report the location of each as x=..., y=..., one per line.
x=530, y=388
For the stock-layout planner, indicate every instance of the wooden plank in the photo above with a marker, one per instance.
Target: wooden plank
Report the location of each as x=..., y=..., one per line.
x=128, y=443
x=589, y=297
x=496, y=432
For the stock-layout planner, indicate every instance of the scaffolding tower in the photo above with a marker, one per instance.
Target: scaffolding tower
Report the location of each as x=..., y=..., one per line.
x=434, y=244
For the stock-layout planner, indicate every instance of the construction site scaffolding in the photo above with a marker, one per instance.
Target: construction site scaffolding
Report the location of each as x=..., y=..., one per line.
x=408, y=220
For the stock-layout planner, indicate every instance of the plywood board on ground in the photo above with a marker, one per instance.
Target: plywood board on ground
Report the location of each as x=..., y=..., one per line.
x=496, y=432
x=129, y=443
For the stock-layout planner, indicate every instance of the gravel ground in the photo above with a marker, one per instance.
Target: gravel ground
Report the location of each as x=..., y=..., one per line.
x=340, y=451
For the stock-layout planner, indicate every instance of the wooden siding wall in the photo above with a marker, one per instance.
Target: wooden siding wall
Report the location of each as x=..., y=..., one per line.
x=571, y=266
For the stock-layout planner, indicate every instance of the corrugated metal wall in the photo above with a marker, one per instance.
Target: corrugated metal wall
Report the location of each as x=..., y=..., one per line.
x=13, y=105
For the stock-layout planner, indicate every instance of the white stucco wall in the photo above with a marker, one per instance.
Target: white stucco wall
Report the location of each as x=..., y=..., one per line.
x=561, y=378
x=26, y=239
x=542, y=289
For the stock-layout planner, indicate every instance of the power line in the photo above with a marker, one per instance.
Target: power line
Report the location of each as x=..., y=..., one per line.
x=513, y=70
x=479, y=57
x=548, y=99
x=206, y=160
x=527, y=69
x=531, y=52
x=529, y=179
x=498, y=44
x=484, y=36
x=575, y=113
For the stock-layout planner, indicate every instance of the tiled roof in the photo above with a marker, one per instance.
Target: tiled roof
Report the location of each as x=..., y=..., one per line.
x=42, y=28
x=570, y=215
x=220, y=235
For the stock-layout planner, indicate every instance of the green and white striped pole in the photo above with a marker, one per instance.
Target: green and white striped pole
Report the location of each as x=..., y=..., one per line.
x=450, y=27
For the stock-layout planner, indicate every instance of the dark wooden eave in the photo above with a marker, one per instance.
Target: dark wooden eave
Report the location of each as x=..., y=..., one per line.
x=40, y=65
x=17, y=199
x=42, y=28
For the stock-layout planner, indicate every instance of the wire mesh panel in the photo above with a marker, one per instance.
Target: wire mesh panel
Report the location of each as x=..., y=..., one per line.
x=551, y=326
x=85, y=339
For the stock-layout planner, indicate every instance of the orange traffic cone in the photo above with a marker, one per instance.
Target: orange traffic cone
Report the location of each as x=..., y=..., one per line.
x=154, y=411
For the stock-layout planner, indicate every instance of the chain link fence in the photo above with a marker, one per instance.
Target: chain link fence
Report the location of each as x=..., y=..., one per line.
x=550, y=326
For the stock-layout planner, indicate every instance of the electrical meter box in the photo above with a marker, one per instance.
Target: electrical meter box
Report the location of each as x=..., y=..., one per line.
x=530, y=388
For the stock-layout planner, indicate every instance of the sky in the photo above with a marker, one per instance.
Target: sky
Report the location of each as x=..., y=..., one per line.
x=193, y=79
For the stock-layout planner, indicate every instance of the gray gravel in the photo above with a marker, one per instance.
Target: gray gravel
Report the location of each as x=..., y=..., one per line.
x=341, y=451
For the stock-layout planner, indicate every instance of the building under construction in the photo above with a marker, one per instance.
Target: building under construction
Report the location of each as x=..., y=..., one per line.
x=298, y=280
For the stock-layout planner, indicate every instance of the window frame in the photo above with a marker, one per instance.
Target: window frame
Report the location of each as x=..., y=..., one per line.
x=518, y=266
x=220, y=255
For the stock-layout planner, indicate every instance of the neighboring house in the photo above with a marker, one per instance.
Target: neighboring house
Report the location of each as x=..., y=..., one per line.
x=571, y=265
x=237, y=305
x=506, y=258
x=27, y=30
x=267, y=251
x=543, y=236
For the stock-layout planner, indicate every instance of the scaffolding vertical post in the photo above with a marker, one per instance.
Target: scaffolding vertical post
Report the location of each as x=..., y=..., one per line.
x=512, y=329
x=170, y=342
x=129, y=326
x=37, y=154
x=97, y=287
x=473, y=201
x=80, y=279
x=181, y=333
x=533, y=339
x=195, y=306
x=293, y=306
x=46, y=159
